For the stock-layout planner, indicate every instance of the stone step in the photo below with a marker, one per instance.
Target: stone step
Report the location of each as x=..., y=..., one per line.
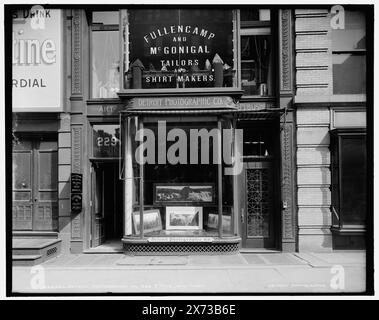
x=35, y=234
x=32, y=246
x=27, y=260
x=32, y=251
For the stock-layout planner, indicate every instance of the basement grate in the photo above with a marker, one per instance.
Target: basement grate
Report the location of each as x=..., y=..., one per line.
x=51, y=251
x=180, y=249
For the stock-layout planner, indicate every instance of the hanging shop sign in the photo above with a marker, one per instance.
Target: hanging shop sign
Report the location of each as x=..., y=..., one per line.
x=37, y=60
x=76, y=202
x=76, y=192
x=76, y=183
x=181, y=48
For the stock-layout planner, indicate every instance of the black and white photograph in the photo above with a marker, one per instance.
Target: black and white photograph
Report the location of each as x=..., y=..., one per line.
x=151, y=221
x=212, y=222
x=124, y=115
x=184, y=218
x=184, y=193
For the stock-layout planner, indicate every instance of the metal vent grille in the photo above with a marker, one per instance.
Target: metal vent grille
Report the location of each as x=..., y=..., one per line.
x=180, y=249
x=51, y=251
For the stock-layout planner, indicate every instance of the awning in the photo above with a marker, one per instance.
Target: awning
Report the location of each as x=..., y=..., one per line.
x=240, y=114
x=135, y=112
x=201, y=105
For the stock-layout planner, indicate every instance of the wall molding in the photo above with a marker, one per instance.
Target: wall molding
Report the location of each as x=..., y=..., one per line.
x=76, y=72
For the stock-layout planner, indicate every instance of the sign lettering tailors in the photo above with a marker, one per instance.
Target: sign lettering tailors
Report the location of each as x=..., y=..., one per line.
x=178, y=54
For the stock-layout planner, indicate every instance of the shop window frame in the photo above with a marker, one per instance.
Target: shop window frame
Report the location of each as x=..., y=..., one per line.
x=338, y=223
x=234, y=90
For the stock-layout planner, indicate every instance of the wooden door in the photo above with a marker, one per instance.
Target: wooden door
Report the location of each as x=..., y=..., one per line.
x=258, y=205
x=35, y=185
x=97, y=205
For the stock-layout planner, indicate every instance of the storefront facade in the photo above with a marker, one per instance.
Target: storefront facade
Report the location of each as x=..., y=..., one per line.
x=177, y=135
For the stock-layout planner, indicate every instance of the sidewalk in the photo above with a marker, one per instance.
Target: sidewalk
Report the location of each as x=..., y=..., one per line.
x=239, y=273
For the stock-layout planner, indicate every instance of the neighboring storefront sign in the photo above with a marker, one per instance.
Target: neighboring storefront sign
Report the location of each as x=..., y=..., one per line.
x=76, y=183
x=76, y=192
x=181, y=48
x=37, y=60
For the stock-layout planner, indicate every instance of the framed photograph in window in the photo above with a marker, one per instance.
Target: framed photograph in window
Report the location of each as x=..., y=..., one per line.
x=151, y=221
x=212, y=222
x=184, y=193
x=184, y=218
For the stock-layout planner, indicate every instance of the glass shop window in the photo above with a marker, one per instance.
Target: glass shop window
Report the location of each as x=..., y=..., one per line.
x=105, y=60
x=349, y=178
x=178, y=48
x=105, y=141
x=256, y=52
x=182, y=198
x=349, y=55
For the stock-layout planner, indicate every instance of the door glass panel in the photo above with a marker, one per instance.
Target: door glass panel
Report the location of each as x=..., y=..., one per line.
x=21, y=171
x=259, y=203
x=48, y=145
x=48, y=195
x=48, y=170
x=22, y=145
x=22, y=195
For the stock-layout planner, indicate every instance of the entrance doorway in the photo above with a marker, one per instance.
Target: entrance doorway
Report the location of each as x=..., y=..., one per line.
x=35, y=184
x=258, y=205
x=106, y=203
x=259, y=182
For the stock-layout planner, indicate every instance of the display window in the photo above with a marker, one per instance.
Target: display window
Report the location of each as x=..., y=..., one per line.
x=182, y=195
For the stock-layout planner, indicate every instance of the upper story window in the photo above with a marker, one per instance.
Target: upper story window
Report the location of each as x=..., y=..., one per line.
x=256, y=52
x=349, y=178
x=178, y=48
x=105, y=56
x=349, y=54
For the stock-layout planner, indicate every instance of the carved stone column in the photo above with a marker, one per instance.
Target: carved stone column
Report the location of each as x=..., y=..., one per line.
x=78, y=136
x=286, y=94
